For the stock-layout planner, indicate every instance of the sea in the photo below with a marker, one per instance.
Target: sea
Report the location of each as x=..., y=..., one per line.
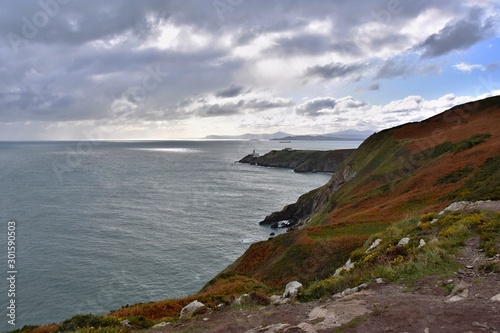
x=101, y=224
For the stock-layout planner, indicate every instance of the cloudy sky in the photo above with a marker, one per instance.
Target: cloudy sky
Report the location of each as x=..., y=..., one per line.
x=160, y=69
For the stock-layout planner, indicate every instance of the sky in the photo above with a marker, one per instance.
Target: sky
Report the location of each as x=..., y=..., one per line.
x=160, y=69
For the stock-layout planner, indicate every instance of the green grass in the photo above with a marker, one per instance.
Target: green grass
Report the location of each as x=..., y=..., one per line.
x=329, y=232
x=483, y=185
x=453, y=147
x=89, y=323
x=455, y=176
x=406, y=264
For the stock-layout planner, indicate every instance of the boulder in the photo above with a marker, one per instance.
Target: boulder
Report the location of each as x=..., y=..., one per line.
x=275, y=299
x=161, y=325
x=374, y=244
x=495, y=298
x=422, y=243
x=192, y=309
x=460, y=292
x=350, y=291
x=292, y=289
x=404, y=241
x=347, y=267
x=470, y=206
x=243, y=299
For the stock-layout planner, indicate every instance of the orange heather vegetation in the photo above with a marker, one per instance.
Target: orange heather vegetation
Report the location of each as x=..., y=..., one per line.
x=397, y=174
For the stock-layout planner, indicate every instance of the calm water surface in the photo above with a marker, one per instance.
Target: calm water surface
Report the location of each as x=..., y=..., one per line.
x=104, y=224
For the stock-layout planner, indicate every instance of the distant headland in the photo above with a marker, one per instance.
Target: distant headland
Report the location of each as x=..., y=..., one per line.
x=301, y=160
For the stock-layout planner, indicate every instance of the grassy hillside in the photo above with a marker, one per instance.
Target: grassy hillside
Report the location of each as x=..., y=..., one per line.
x=398, y=173
x=389, y=188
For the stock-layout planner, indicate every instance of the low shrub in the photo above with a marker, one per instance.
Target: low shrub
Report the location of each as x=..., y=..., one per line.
x=86, y=321
x=408, y=263
x=455, y=176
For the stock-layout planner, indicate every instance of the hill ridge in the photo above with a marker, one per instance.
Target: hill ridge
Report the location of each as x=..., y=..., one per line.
x=390, y=187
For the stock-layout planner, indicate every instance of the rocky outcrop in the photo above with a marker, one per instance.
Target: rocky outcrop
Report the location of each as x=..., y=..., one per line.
x=468, y=206
x=192, y=309
x=301, y=160
x=299, y=213
x=292, y=290
x=347, y=267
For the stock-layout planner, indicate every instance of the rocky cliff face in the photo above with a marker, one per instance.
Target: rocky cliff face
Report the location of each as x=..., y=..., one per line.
x=299, y=213
x=395, y=174
x=301, y=160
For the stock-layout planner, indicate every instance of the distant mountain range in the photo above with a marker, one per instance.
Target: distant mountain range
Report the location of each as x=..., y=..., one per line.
x=348, y=135
x=248, y=136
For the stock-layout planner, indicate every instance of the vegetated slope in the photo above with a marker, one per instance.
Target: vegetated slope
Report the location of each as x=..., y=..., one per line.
x=301, y=160
x=391, y=180
x=395, y=174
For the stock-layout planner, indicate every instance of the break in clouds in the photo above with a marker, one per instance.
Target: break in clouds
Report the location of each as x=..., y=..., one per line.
x=164, y=68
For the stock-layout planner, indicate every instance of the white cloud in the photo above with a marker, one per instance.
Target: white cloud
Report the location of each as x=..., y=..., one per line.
x=310, y=65
x=468, y=68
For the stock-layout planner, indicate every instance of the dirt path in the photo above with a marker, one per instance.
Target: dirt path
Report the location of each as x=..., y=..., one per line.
x=426, y=308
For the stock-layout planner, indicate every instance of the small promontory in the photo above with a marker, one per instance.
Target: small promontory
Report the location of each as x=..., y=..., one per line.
x=301, y=160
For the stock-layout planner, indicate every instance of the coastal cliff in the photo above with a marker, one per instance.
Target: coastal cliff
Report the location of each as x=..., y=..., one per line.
x=301, y=160
x=415, y=204
x=299, y=213
x=395, y=174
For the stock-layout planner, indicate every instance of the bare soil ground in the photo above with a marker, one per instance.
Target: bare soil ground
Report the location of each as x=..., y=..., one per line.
x=424, y=307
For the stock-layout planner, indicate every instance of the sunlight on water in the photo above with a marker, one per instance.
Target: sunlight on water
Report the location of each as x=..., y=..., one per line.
x=119, y=224
x=168, y=150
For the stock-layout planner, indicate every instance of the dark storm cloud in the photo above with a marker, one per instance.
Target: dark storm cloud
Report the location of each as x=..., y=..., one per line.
x=313, y=44
x=303, y=44
x=261, y=104
x=328, y=105
x=241, y=107
x=232, y=91
x=63, y=60
x=458, y=35
x=316, y=107
x=334, y=70
x=404, y=68
x=76, y=22
x=216, y=110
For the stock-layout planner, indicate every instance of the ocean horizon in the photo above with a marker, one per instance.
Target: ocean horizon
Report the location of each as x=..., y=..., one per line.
x=102, y=224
